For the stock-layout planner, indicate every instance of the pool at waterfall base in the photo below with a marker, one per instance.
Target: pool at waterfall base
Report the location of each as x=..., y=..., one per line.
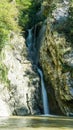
x=36, y=123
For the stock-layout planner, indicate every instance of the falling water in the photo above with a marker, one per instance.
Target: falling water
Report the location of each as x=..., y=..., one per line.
x=29, y=38
x=44, y=94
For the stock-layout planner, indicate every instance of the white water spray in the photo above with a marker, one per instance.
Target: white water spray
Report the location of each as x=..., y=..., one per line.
x=44, y=94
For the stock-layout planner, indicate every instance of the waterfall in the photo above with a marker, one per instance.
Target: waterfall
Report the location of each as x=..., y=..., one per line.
x=44, y=94
x=29, y=38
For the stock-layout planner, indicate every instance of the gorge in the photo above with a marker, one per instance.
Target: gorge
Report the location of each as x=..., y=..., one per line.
x=36, y=65
x=38, y=58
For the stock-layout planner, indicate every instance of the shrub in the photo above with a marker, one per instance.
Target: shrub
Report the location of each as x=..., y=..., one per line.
x=8, y=15
x=27, y=12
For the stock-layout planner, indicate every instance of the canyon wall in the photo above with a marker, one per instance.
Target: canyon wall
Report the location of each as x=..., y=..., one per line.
x=19, y=86
x=56, y=59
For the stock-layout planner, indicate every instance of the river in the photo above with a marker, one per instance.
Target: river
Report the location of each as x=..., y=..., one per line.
x=36, y=123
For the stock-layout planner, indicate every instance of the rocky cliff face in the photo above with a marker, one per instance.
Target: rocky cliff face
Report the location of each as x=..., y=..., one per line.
x=19, y=91
x=56, y=59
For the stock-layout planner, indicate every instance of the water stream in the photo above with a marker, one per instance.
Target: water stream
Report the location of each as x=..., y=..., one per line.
x=43, y=88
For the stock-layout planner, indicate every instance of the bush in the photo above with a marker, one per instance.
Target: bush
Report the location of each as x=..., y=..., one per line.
x=27, y=12
x=8, y=15
x=23, y=7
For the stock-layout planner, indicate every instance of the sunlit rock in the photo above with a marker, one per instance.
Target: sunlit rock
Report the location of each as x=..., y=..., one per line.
x=19, y=94
x=4, y=109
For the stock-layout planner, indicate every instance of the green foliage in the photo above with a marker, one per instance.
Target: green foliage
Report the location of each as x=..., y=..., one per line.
x=3, y=37
x=35, y=7
x=3, y=73
x=23, y=7
x=8, y=15
x=27, y=12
